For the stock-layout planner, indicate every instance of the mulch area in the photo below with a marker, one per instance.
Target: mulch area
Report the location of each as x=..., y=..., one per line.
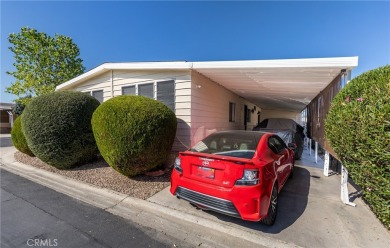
x=100, y=174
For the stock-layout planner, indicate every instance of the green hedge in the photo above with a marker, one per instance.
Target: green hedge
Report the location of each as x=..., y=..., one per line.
x=134, y=134
x=358, y=128
x=18, y=138
x=58, y=128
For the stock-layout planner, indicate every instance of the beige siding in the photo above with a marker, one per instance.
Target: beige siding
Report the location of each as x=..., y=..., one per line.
x=101, y=82
x=210, y=108
x=272, y=113
x=111, y=82
x=201, y=105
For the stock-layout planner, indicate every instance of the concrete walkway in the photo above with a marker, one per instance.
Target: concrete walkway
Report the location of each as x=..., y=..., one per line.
x=310, y=213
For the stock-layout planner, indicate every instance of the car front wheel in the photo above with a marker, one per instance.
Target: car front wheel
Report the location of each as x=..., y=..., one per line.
x=272, y=209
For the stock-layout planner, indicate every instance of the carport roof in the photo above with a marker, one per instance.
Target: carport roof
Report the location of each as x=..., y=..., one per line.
x=288, y=84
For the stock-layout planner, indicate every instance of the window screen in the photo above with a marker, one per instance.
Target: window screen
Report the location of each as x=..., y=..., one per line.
x=128, y=90
x=166, y=93
x=146, y=90
x=98, y=94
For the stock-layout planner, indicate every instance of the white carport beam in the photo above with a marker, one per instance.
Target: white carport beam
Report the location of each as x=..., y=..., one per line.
x=11, y=118
x=326, y=164
x=344, y=187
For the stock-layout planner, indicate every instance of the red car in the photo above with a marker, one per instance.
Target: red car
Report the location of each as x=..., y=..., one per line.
x=237, y=173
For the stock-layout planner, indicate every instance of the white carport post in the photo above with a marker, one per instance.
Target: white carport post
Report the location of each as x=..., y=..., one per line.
x=316, y=152
x=309, y=147
x=11, y=118
x=344, y=187
x=326, y=164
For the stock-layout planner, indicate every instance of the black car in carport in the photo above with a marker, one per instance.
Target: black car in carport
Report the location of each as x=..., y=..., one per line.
x=287, y=129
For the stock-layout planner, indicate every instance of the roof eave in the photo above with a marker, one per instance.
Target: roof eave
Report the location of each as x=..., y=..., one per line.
x=124, y=66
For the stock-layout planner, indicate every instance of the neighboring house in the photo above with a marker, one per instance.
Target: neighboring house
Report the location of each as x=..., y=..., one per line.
x=218, y=95
x=7, y=117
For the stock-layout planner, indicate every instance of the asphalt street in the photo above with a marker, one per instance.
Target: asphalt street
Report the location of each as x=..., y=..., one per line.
x=33, y=215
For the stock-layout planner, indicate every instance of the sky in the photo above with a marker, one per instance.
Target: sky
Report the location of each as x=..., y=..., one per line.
x=132, y=31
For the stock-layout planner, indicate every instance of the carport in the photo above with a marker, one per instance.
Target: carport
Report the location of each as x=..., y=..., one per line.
x=299, y=89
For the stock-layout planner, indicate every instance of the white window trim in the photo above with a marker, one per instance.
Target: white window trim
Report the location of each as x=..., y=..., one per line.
x=155, y=82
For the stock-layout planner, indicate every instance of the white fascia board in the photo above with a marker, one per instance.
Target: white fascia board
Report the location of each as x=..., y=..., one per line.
x=148, y=65
x=344, y=62
x=125, y=66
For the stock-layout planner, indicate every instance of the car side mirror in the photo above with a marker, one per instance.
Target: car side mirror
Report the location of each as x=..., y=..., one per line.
x=292, y=145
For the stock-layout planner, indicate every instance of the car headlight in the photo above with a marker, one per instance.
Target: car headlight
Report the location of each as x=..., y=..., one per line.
x=177, y=165
x=250, y=177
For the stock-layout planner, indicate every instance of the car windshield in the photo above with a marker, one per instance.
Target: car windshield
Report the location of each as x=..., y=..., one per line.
x=231, y=144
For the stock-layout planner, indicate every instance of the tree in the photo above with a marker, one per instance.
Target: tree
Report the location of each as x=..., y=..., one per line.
x=42, y=62
x=21, y=104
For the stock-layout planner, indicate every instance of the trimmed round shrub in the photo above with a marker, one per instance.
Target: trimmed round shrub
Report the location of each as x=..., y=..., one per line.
x=18, y=138
x=134, y=134
x=58, y=130
x=358, y=129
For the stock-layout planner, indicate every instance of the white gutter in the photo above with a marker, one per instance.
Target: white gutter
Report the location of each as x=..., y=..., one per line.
x=346, y=62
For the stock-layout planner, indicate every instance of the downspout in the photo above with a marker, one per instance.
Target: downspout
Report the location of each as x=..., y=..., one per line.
x=348, y=76
x=112, y=83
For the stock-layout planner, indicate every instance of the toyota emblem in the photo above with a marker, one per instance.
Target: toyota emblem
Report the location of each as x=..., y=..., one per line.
x=205, y=163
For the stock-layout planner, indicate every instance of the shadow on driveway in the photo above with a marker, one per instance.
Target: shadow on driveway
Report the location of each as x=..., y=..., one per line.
x=292, y=203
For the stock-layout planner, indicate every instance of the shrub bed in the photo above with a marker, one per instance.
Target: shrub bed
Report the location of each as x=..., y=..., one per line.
x=358, y=128
x=18, y=139
x=134, y=134
x=58, y=130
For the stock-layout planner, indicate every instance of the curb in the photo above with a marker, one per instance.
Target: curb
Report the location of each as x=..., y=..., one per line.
x=116, y=203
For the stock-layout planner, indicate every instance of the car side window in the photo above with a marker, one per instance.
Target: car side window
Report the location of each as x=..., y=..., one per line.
x=276, y=144
x=272, y=145
x=281, y=142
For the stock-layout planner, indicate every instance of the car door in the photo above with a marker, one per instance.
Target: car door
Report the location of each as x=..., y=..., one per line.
x=280, y=157
x=285, y=158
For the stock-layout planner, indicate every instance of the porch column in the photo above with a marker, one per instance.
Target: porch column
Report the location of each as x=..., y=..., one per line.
x=344, y=187
x=11, y=118
x=326, y=164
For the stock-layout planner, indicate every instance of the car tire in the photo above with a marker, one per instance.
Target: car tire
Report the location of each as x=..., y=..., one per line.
x=272, y=209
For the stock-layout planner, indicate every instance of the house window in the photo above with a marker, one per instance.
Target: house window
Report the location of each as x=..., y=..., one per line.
x=166, y=93
x=146, y=90
x=98, y=94
x=128, y=90
x=232, y=112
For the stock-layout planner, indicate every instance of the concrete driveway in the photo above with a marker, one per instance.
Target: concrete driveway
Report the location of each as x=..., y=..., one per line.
x=310, y=212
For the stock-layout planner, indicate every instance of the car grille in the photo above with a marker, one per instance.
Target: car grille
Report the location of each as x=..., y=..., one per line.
x=210, y=202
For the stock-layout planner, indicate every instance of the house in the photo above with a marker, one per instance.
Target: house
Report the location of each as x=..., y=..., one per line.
x=7, y=117
x=217, y=95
